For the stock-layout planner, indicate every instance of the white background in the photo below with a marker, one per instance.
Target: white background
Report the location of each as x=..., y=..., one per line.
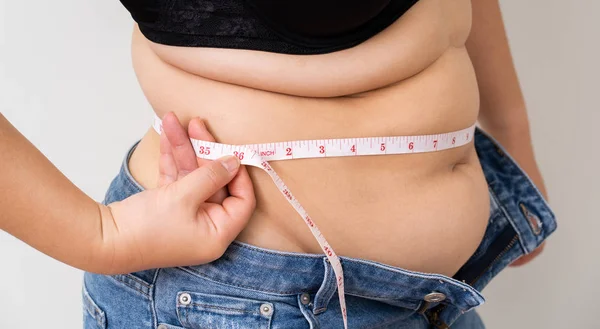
x=67, y=84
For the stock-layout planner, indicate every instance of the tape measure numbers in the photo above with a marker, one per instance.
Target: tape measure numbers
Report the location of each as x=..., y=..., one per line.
x=259, y=155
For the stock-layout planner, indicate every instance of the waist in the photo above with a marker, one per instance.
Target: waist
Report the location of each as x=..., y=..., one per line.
x=407, y=211
x=385, y=208
x=403, y=202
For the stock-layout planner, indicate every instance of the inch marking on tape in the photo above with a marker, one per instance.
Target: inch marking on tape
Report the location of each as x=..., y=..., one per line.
x=259, y=155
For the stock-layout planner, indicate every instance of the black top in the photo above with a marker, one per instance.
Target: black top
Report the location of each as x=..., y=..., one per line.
x=280, y=26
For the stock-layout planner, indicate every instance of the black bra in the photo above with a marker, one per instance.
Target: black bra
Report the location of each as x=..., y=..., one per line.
x=280, y=26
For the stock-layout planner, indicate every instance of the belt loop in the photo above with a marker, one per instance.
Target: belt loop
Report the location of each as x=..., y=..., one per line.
x=327, y=289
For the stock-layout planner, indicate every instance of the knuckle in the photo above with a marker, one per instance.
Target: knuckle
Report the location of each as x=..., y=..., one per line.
x=180, y=146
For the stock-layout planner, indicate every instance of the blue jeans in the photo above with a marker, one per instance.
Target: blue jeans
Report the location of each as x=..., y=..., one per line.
x=251, y=287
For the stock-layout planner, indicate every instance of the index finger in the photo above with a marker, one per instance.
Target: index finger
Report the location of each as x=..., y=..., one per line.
x=181, y=147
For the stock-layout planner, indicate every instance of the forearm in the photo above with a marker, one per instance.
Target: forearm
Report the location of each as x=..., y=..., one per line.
x=502, y=103
x=503, y=112
x=41, y=207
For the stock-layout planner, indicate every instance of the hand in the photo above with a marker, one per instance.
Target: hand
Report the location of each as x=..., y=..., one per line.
x=189, y=219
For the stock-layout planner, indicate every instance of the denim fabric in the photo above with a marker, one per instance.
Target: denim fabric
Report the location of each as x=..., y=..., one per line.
x=251, y=287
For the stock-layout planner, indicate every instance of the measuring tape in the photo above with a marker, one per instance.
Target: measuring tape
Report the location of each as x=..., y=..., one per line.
x=259, y=155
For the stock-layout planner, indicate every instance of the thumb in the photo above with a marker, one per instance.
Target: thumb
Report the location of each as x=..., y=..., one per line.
x=202, y=183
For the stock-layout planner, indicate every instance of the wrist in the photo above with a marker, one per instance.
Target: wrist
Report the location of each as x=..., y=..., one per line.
x=104, y=251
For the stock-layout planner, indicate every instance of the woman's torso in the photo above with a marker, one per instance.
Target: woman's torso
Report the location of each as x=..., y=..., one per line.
x=424, y=212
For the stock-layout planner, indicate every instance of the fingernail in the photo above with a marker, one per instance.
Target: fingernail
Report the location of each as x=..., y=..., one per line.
x=230, y=162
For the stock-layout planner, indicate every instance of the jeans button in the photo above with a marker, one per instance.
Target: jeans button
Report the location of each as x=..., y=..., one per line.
x=266, y=309
x=434, y=297
x=305, y=299
x=185, y=299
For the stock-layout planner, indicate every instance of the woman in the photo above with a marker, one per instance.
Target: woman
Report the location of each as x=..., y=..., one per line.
x=265, y=71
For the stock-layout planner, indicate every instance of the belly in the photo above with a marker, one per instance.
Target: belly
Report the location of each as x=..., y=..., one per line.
x=423, y=212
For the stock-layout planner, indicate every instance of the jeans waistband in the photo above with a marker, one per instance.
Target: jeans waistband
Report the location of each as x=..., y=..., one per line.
x=296, y=273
